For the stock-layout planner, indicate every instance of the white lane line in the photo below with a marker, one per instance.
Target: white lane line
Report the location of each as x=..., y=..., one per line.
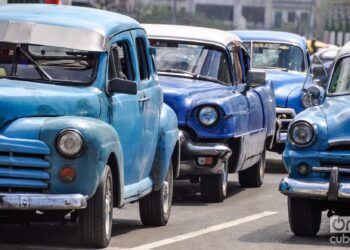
x=211, y=229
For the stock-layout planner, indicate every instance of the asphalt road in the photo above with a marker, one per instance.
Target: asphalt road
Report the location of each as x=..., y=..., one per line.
x=254, y=219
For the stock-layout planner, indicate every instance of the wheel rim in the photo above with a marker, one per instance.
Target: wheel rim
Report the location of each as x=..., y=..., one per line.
x=224, y=180
x=108, y=208
x=262, y=166
x=166, y=196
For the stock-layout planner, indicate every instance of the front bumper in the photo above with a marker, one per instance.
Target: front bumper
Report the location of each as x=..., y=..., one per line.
x=283, y=116
x=191, y=150
x=331, y=190
x=41, y=202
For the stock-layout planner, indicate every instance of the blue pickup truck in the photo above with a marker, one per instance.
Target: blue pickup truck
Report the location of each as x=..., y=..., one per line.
x=83, y=126
x=285, y=59
x=226, y=112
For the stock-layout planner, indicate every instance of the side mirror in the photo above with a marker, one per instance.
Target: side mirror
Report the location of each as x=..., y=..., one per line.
x=255, y=78
x=122, y=86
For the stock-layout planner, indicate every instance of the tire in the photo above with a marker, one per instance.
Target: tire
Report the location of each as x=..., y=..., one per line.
x=155, y=207
x=253, y=176
x=214, y=187
x=304, y=216
x=95, y=221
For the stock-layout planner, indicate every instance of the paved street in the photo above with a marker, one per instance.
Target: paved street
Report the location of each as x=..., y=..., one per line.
x=248, y=219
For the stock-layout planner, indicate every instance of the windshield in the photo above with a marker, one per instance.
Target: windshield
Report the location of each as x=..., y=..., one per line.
x=47, y=64
x=192, y=60
x=277, y=56
x=340, y=83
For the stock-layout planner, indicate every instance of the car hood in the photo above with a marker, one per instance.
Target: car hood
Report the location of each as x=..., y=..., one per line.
x=28, y=99
x=180, y=93
x=337, y=113
x=284, y=84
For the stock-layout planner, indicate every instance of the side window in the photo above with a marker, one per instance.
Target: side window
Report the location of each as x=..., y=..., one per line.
x=246, y=62
x=237, y=67
x=142, y=58
x=224, y=74
x=120, y=62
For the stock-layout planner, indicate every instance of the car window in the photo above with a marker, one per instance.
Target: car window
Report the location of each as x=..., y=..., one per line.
x=46, y=63
x=193, y=59
x=340, y=83
x=120, y=62
x=237, y=67
x=142, y=59
x=283, y=56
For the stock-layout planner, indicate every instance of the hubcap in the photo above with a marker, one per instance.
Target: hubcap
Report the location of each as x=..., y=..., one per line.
x=108, y=208
x=166, y=197
x=262, y=166
x=224, y=180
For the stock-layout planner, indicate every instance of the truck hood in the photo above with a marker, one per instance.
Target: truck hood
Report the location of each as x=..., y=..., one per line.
x=337, y=113
x=284, y=84
x=28, y=99
x=180, y=93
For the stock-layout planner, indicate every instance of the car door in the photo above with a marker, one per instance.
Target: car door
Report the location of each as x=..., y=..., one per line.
x=254, y=136
x=126, y=115
x=151, y=97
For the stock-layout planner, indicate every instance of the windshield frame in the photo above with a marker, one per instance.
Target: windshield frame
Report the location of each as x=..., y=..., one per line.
x=337, y=61
x=307, y=65
x=53, y=81
x=218, y=47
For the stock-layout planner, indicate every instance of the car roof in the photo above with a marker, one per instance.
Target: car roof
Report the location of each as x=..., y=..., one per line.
x=272, y=36
x=190, y=33
x=344, y=50
x=63, y=17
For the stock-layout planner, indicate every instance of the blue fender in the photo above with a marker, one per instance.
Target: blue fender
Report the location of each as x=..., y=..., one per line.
x=167, y=143
x=101, y=141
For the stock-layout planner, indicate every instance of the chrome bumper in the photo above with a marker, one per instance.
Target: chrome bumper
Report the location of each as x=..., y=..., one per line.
x=282, y=124
x=332, y=190
x=193, y=150
x=41, y=201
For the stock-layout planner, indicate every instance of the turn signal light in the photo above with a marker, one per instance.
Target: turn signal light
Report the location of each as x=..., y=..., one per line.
x=205, y=161
x=303, y=169
x=67, y=174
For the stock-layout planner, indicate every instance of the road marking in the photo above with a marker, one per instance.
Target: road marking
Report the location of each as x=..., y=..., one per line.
x=211, y=229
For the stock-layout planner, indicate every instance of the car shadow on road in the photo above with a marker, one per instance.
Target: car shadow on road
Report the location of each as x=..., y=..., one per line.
x=124, y=226
x=281, y=234
x=188, y=194
x=275, y=166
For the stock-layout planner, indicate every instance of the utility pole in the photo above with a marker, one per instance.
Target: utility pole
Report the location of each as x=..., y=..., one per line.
x=174, y=10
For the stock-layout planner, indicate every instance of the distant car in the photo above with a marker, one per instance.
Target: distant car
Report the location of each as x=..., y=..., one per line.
x=285, y=58
x=223, y=108
x=317, y=154
x=83, y=124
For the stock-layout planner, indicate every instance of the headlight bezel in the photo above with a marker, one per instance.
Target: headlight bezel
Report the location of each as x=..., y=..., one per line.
x=200, y=109
x=67, y=155
x=310, y=125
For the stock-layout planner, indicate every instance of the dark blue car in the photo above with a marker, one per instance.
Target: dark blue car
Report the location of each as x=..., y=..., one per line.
x=285, y=59
x=226, y=113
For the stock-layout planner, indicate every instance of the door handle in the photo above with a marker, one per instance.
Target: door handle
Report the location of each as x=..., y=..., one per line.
x=144, y=99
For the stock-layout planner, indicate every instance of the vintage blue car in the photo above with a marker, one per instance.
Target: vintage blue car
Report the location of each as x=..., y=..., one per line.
x=285, y=59
x=317, y=154
x=83, y=126
x=226, y=113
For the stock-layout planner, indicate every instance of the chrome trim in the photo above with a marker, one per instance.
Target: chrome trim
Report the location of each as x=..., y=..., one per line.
x=191, y=148
x=286, y=111
x=313, y=138
x=42, y=201
x=338, y=142
x=312, y=189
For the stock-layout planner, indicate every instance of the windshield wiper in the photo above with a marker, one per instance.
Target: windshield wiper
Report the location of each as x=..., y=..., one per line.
x=178, y=71
x=40, y=70
x=283, y=69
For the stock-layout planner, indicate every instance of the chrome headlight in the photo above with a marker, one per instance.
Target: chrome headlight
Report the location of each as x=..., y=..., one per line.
x=208, y=115
x=302, y=134
x=308, y=101
x=70, y=143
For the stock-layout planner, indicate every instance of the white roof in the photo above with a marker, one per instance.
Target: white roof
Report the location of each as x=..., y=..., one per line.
x=345, y=49
x=189, y=33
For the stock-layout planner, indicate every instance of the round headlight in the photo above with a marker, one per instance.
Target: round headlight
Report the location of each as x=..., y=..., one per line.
x=70, y=143
x=208, y=116
x=302, y=134
x=309, y=101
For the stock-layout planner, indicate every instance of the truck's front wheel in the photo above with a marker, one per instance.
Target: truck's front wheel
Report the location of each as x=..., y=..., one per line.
x=214, y=187
x=304, y=216
x=254, y=176
x=155, y=207
x=95, y=222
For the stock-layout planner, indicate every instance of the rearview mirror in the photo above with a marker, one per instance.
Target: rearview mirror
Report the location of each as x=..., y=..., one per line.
x=255, y=78
x=122, y=86
x=315, y=96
